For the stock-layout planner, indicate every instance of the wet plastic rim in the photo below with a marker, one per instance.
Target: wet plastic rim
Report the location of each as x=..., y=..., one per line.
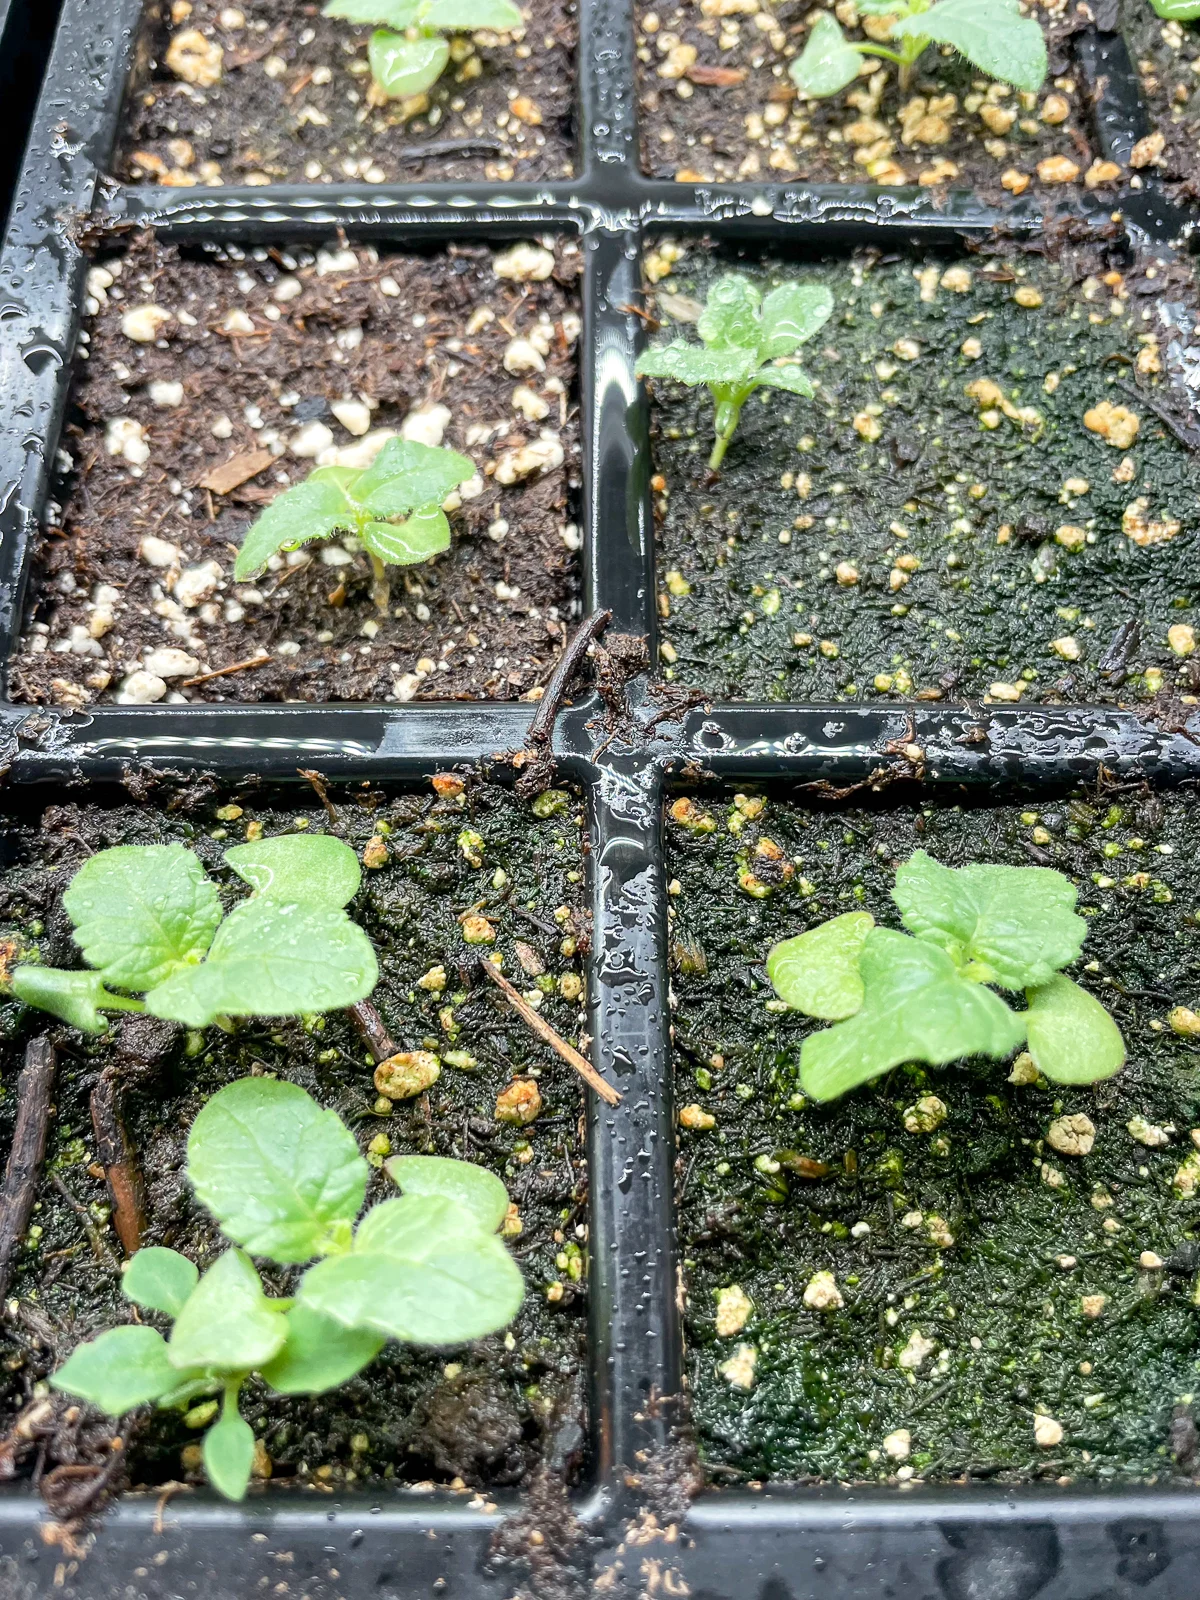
x=635, y=1331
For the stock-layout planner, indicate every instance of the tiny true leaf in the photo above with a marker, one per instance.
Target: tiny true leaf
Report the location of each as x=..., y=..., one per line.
x=314, y=509
x=142, y=911
x=226, y=1323
x=302, y=868
x=991, y=34
x=401, y=544
x=474, y=1188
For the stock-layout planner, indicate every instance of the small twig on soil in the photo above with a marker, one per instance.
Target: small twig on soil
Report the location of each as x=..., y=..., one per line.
x=99, y=1248
x=225, y=672
x=447, y=147
x=547, y=1034
x=35, y=1086
x=119, y=1160
x=318, y=783
x=369, y=1026
x=1186, y=435
x=541, y=729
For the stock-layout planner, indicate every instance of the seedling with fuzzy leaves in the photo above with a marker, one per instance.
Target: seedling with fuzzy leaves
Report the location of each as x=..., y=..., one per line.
x=991, y=34
x=407, y=51
x=149, y=921
x=285, y=1181
x=393, y=507
x=893, y=997
x=747, y=345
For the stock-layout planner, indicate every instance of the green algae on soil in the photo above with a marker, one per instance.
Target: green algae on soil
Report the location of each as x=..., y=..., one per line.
x=963, y=1344
x=486, y=1413
x=899, y=535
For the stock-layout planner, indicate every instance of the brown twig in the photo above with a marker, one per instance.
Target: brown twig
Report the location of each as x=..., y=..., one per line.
x=541, y=729
x=318, y=783
x=369, y=1026
x=547, y=1034
x=447, y=147
x=224, y=672
x=119, y=1160
x=35, y=1086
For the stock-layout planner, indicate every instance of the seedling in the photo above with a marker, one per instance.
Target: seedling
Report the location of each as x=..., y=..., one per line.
x=407, y=51
x=747, y=344
x=991, y=34
x=895, y=998
x=394, y=508
x=285, y=1181
x=149, y=921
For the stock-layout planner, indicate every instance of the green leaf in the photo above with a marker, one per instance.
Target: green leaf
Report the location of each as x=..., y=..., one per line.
x=229, y=1452
x=1015, y=925
x=314, y=509
x=303, y=868
x=319, y=1354
x=142, y=910
x=828, y=61
x=227, y=1324
x=73, y=996
x=1177, y=10
x=879, y=8
x=399, y=14
x=1072, y=1038
x=730, y=319
x=692, y=363
x=466, y=16
x=159, y=1279
x=270, y=959
x=422, y=1270
x=790, y=378
x=281, y=1176
x=408, y=476
x=403, y=67
x=474, y=1188
x=791, y=315
x=123, y=1368
x=817, y=972
x=992, y=34
x=400, y=544
x=916, y=1007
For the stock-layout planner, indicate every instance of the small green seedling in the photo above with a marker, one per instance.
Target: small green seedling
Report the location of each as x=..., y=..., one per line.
x=991, y=34
x=894, y=998
x=748, y=341
x=149, y=921
x=407, y=51
x=394, y=508
x=285, y=1181
x=1177, y=10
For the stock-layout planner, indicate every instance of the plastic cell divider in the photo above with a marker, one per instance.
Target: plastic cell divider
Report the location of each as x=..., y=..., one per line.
x=782, y=1542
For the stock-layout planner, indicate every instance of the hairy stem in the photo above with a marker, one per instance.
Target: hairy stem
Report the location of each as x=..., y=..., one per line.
x=381, y=589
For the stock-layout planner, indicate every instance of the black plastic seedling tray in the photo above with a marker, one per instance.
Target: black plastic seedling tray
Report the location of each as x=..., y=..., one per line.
x=638, y=1532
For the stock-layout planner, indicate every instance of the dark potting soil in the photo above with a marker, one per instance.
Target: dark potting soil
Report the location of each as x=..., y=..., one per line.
x=133, y=573
x=964, y=1344
x=718, y=104
x=909, y=531
x=1166, y=55
x=292, y=103
x=486, y=1413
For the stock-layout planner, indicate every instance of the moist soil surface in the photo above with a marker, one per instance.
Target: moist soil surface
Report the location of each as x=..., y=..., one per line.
x=293, y=104
x=717, y=104
x=938, y=521
x=1166, y=56
x=136, y=558
x=486, y=1413
x=963, y=1344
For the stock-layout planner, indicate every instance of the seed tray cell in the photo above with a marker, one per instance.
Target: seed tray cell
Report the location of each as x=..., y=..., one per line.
x=641, y=1521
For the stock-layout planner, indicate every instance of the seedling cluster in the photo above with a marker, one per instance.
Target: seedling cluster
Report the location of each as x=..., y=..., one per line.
x=394, y=508
x=408, y=51
x=991, y=34
x=285, y=1181
x=925, y=995
x=149, y=921
x=748, y=342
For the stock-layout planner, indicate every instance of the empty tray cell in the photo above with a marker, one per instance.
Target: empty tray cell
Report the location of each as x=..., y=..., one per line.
x=718, y=103
x=950, y=1273
x=1166, y=55
x=483, y=1412
x=209, y=384
x=989, y=494
x=276, y=93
